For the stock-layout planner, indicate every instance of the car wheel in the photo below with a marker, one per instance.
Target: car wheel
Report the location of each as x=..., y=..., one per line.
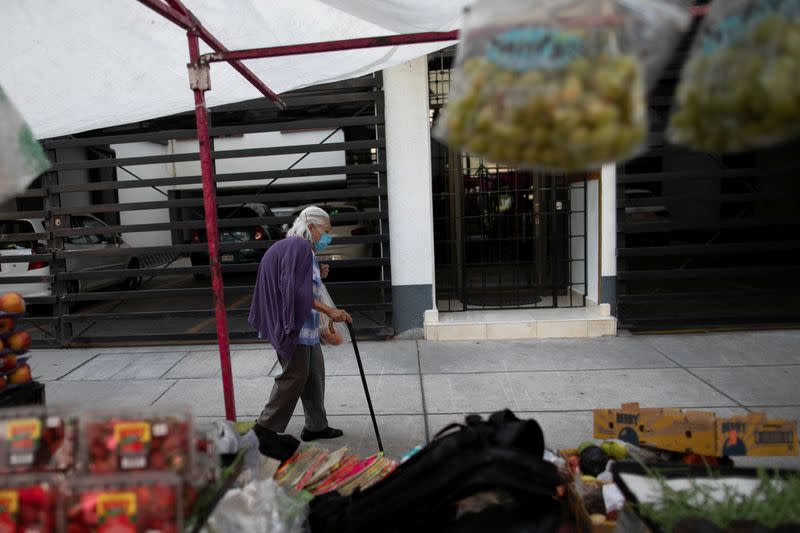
x=73, y=286
x=135, y=282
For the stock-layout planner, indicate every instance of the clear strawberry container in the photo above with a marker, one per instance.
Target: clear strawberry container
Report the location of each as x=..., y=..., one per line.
x=136, y=440
x=36, y=439
x=143, y=502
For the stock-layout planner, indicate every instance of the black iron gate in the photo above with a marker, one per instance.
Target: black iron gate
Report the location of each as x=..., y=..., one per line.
x=118, y=222
x=706, y=241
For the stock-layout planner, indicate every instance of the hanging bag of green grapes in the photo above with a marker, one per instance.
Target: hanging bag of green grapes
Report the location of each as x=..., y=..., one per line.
x=740, y=87
x=558, y=84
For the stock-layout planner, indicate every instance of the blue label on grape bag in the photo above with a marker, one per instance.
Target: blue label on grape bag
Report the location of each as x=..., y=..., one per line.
x=524, y=49
x=731, y=29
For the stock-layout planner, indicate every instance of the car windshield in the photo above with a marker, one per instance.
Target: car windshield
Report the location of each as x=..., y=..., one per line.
x=89, y=222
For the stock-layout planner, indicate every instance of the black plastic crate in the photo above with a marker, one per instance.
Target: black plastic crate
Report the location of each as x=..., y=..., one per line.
x=28, y=394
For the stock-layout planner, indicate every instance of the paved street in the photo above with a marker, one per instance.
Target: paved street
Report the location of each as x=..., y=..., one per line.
x=418, y=387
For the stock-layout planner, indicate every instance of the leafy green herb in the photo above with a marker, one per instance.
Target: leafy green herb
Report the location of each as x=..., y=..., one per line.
x=773, y=502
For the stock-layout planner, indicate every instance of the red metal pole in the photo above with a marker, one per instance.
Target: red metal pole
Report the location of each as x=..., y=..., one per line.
x=333, y=46
x=168, y=13
x=210, y=206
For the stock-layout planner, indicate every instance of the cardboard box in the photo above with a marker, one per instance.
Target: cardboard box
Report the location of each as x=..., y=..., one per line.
x=699, y=432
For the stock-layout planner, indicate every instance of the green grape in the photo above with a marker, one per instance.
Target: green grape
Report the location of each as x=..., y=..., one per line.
x=539, y=136
x=764, y=32
x=579, y=137
x=600, y=112
x=581, y=67
x=531, y=79
x=566, y=118
x=571, y=91
x=791, y=41
x=529, y=154
x=520, y=134
x=477, y=144
x=505, y=78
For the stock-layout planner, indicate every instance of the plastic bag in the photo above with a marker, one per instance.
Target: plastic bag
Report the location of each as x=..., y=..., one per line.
x=557, y=84
x=740, y=88
x=331, y=333
x=261, y=505
x=21, y=156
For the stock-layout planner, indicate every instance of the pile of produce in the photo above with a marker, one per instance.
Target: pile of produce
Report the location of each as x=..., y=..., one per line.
x=587, y=471
x=101, y=471
x=557, y=85
x=589, y=111
x=14, y=344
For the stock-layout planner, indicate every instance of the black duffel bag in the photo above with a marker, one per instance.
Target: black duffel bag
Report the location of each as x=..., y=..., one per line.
x=478, y=476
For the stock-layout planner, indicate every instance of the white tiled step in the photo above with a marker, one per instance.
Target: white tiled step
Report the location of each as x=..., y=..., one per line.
x=519, y=324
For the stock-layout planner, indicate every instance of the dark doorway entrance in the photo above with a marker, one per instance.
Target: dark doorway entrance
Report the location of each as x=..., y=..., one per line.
x=506, y=238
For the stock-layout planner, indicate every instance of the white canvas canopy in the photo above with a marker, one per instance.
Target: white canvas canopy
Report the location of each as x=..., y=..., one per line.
x=72, y=66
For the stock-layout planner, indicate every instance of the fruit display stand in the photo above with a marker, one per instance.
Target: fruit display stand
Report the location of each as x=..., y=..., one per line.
x=653, y=446
x=134, y=470
x=16, y=383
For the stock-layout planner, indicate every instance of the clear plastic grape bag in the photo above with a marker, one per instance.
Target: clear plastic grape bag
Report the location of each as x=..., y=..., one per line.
x=740, y=88
x=22, y=158
x=558, y=84
x=331, y=333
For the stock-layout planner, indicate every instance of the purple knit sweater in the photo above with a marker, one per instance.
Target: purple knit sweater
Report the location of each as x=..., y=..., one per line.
x=283, y=295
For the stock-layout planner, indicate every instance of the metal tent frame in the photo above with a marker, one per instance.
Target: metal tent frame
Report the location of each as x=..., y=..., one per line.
x=199, y=81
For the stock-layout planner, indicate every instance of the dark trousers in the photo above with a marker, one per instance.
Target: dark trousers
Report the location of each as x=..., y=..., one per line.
x=303, y=378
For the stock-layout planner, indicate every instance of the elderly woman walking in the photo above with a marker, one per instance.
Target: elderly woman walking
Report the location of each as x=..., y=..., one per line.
x=285, y=310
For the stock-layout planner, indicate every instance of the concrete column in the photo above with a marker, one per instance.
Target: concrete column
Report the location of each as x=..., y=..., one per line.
x=608, y=236
x=409, y=182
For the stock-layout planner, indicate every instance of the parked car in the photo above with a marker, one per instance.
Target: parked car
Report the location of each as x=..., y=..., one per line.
x=23, y=248
x=74, y=262
x=92, y=262
x=335, y=251
x=235, y=234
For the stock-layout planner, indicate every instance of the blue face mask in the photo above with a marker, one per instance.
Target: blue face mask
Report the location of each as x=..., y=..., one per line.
x=323, y=242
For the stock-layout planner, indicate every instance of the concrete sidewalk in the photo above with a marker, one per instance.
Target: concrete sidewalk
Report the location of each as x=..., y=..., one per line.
x=418, y=387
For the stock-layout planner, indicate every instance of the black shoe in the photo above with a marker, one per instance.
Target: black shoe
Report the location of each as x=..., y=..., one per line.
x=272, y=444
x=327, y=433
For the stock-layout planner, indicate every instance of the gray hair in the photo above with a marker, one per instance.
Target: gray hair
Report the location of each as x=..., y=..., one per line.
x=309, y=215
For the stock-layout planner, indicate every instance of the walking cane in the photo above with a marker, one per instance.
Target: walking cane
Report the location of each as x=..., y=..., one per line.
x=366, y=389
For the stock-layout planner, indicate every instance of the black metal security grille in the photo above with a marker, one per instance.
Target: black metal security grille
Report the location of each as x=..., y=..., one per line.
x=707, y=241
x=161, y=292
